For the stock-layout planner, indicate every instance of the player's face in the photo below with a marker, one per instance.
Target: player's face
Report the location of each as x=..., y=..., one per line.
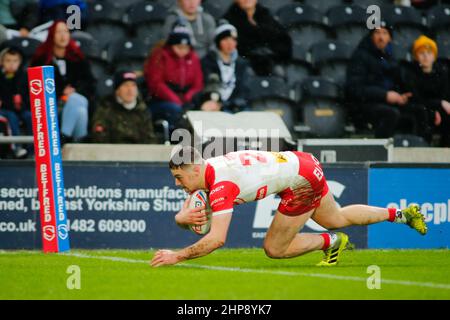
x=62, y=35
x=11, y=63
x=187, y=178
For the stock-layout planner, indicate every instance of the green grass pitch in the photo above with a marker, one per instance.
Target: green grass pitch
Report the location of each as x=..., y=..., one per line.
x=225, y=274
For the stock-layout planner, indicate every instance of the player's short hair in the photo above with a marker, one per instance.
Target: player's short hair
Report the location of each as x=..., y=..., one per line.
x=184, y=155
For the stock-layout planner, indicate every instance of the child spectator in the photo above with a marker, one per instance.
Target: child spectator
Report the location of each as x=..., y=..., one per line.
x=123, y=117
x=74, y=80
x=201, y=24
x=232, y=72
x=174, y=75
x=14, y=102
x=428, y=82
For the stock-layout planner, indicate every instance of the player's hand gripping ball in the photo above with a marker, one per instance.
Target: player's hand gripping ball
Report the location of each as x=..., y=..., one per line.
x=199, y=198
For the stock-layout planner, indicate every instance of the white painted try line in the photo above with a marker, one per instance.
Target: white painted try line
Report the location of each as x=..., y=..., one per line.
x=281, y=273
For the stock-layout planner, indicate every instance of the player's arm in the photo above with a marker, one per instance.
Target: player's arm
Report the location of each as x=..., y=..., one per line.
x=210, y=242
x=187, y=216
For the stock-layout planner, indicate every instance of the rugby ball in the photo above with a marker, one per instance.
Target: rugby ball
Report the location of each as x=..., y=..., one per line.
x=199, y=198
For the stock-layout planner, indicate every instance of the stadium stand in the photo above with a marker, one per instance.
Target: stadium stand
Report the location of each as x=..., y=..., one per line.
x=304, y=23
x=330, y=58
x=438, y=18
x=323, y=115
x=106, y=21
x=145, y=20
x=127, y=54
x=216, y=8
x=299, y=68
x=26, y=45
x=274, y=5
x=407, y=22
x=272, y=94
x=348, y=23
x=322, y=5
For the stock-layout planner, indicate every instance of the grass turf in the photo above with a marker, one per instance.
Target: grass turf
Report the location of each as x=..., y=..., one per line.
x=236, y=274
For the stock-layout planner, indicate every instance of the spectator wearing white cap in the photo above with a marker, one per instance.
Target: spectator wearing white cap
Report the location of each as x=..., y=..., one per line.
x=227, y=69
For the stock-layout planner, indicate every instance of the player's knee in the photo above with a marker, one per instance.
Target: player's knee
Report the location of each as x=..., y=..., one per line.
x=273, y=253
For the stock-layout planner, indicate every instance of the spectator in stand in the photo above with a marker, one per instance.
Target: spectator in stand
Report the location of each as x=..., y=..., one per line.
x=14, y=102
x=232, y=72
x=262, y=40
x=173, y=75
x=57, y=9
x=428, y=82
x=123, y=117
x=200, y=24
x=74, y=80
x=374, y=86
x=19, y=15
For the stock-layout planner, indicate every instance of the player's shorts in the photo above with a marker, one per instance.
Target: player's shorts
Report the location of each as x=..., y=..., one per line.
x=310, y=187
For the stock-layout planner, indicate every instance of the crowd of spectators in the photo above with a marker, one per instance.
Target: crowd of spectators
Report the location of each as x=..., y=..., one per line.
x=206, y=63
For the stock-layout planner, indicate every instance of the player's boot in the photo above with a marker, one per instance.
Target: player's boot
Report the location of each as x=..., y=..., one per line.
x=414, y=218
x=332, y=254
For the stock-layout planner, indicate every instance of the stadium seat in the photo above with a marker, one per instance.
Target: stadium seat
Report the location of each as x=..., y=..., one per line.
x=322, y=113
x=88, y=45
x=28, y=46
x=366, y=3
x=323, y=5
x=438, y=18
x=402, y=52
x=274, y=5
x=330, y=58
x=145, y=20
x=272, y=94
x=304, y=23
x=127, y=54
x=104, y=86
x=106, y=22
x=217, y=8
x=167, y=3
x=348, y=22
x=409, y=140
x=408, y=22
x=299, y=68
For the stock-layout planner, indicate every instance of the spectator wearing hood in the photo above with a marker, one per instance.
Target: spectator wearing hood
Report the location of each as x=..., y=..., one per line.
x=226, y=70
x=123, y=117
x=428, y=81
x=201, y=24
x=374, y=86
x=174, y=76
x=262, y=39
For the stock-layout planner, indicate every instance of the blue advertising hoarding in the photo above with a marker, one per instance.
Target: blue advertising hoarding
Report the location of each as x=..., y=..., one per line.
x=132, y=206
x=400, y=187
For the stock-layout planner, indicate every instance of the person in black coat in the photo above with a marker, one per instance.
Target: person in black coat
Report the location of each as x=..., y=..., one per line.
x=428, y=81
x=262, y=40
x=374, y=87
x=225, y=72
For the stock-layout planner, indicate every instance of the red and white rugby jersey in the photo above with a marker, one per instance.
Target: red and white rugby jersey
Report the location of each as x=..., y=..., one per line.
x=246, y=176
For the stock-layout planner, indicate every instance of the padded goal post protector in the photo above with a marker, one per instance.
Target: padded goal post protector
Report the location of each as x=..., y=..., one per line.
x=48, y=163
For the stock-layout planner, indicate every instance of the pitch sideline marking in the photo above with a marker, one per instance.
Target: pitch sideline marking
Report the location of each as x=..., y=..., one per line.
x=263, y=271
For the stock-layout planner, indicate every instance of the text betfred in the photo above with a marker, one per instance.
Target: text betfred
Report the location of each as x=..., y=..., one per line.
x=39, y=128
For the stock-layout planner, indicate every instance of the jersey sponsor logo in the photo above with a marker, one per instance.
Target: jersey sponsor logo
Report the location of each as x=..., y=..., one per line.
x=279, y=157
x=219, y=188
x=216, y=201
x=261, y=193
